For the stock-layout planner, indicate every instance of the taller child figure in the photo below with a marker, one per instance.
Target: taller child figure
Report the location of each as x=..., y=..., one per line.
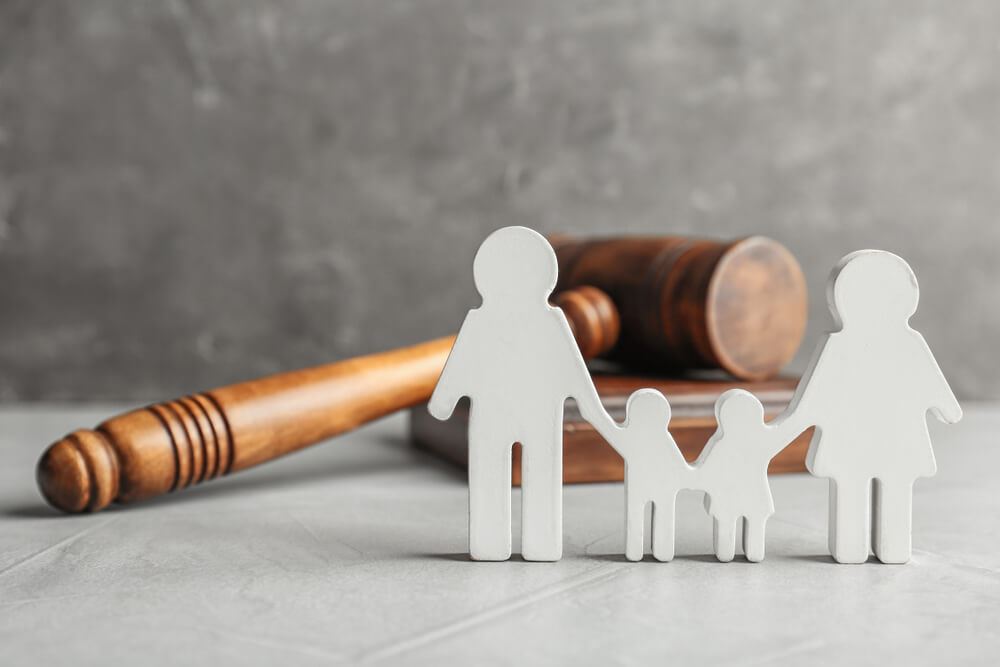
x=516, y=359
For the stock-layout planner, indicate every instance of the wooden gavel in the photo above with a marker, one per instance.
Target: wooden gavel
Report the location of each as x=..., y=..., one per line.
x=677, y=303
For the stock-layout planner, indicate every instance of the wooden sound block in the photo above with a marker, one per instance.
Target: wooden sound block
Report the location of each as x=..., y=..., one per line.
x=588, y=458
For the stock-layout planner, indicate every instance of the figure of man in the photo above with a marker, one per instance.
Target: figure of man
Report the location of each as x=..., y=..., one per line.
x=516, y=359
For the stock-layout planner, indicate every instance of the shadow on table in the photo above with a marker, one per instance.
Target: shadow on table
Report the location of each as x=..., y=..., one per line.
x=609, y=558
x=266, y=478
x=648, y=558
x=825, y=559
x=38, y=510
x=456, y=557
x=465, y=558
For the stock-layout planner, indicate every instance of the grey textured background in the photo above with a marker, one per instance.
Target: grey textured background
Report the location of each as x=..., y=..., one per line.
x=196, y=193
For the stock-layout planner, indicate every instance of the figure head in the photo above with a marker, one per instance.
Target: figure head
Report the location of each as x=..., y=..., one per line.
x=648, y=406
x=738, y=409
x=871, y=288
x=515, y=264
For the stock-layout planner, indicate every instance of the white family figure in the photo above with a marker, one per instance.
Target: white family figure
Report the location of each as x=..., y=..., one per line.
x=732, y=470
x=516, y=359
x=655, y=470
x=868, y=391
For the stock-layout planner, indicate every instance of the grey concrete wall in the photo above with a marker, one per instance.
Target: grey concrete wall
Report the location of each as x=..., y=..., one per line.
x=196, y=193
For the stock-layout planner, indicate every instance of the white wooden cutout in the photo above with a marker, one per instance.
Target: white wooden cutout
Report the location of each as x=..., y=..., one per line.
x=516, y=359
x=655, y=470
x=868, y=390
x=732, y=470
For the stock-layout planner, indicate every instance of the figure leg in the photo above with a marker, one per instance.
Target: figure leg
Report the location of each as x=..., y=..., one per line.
x=663, y=529
x=635, y=520
x=892, y=520
x=541, y=499
x=489, y=495
x=850, y=512
x=724, y=538
x=753, y=538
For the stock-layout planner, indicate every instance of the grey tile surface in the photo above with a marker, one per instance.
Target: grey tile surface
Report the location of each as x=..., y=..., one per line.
x=352, y=552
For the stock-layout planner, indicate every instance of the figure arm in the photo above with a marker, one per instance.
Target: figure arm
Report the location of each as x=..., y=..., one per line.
x=588, y=402
x=801, y=411
x=582, y=390
x=706, y=452
x=591, y=408
x=603, y=424
x=784, y=429
x=942, y=400
x=449, y=390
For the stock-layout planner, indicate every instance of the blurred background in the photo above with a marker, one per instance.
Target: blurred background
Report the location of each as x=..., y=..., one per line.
x=194, y=193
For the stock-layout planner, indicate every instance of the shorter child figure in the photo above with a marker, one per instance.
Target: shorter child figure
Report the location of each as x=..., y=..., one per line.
x=655, y=470
x=733, y=471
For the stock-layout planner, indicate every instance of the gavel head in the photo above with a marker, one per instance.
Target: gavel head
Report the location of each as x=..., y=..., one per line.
x=693, y=303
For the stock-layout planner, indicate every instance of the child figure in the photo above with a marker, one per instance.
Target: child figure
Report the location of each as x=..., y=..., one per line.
x=655, y=470
x=733, y=471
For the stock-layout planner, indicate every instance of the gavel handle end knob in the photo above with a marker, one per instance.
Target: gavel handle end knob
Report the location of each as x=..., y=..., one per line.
x=79, y=473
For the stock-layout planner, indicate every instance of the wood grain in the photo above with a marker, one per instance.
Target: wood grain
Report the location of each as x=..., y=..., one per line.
x=588, y=458
x=173, y=445
x=695, y=303
x=683, y=303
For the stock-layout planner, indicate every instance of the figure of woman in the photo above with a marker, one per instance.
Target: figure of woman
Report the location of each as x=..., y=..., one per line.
x=868, y=391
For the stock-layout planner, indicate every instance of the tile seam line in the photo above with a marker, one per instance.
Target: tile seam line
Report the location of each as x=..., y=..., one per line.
x=594, y=575
x=58, y=545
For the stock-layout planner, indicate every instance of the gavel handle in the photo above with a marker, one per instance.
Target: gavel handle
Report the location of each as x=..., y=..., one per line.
x=169, y=446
